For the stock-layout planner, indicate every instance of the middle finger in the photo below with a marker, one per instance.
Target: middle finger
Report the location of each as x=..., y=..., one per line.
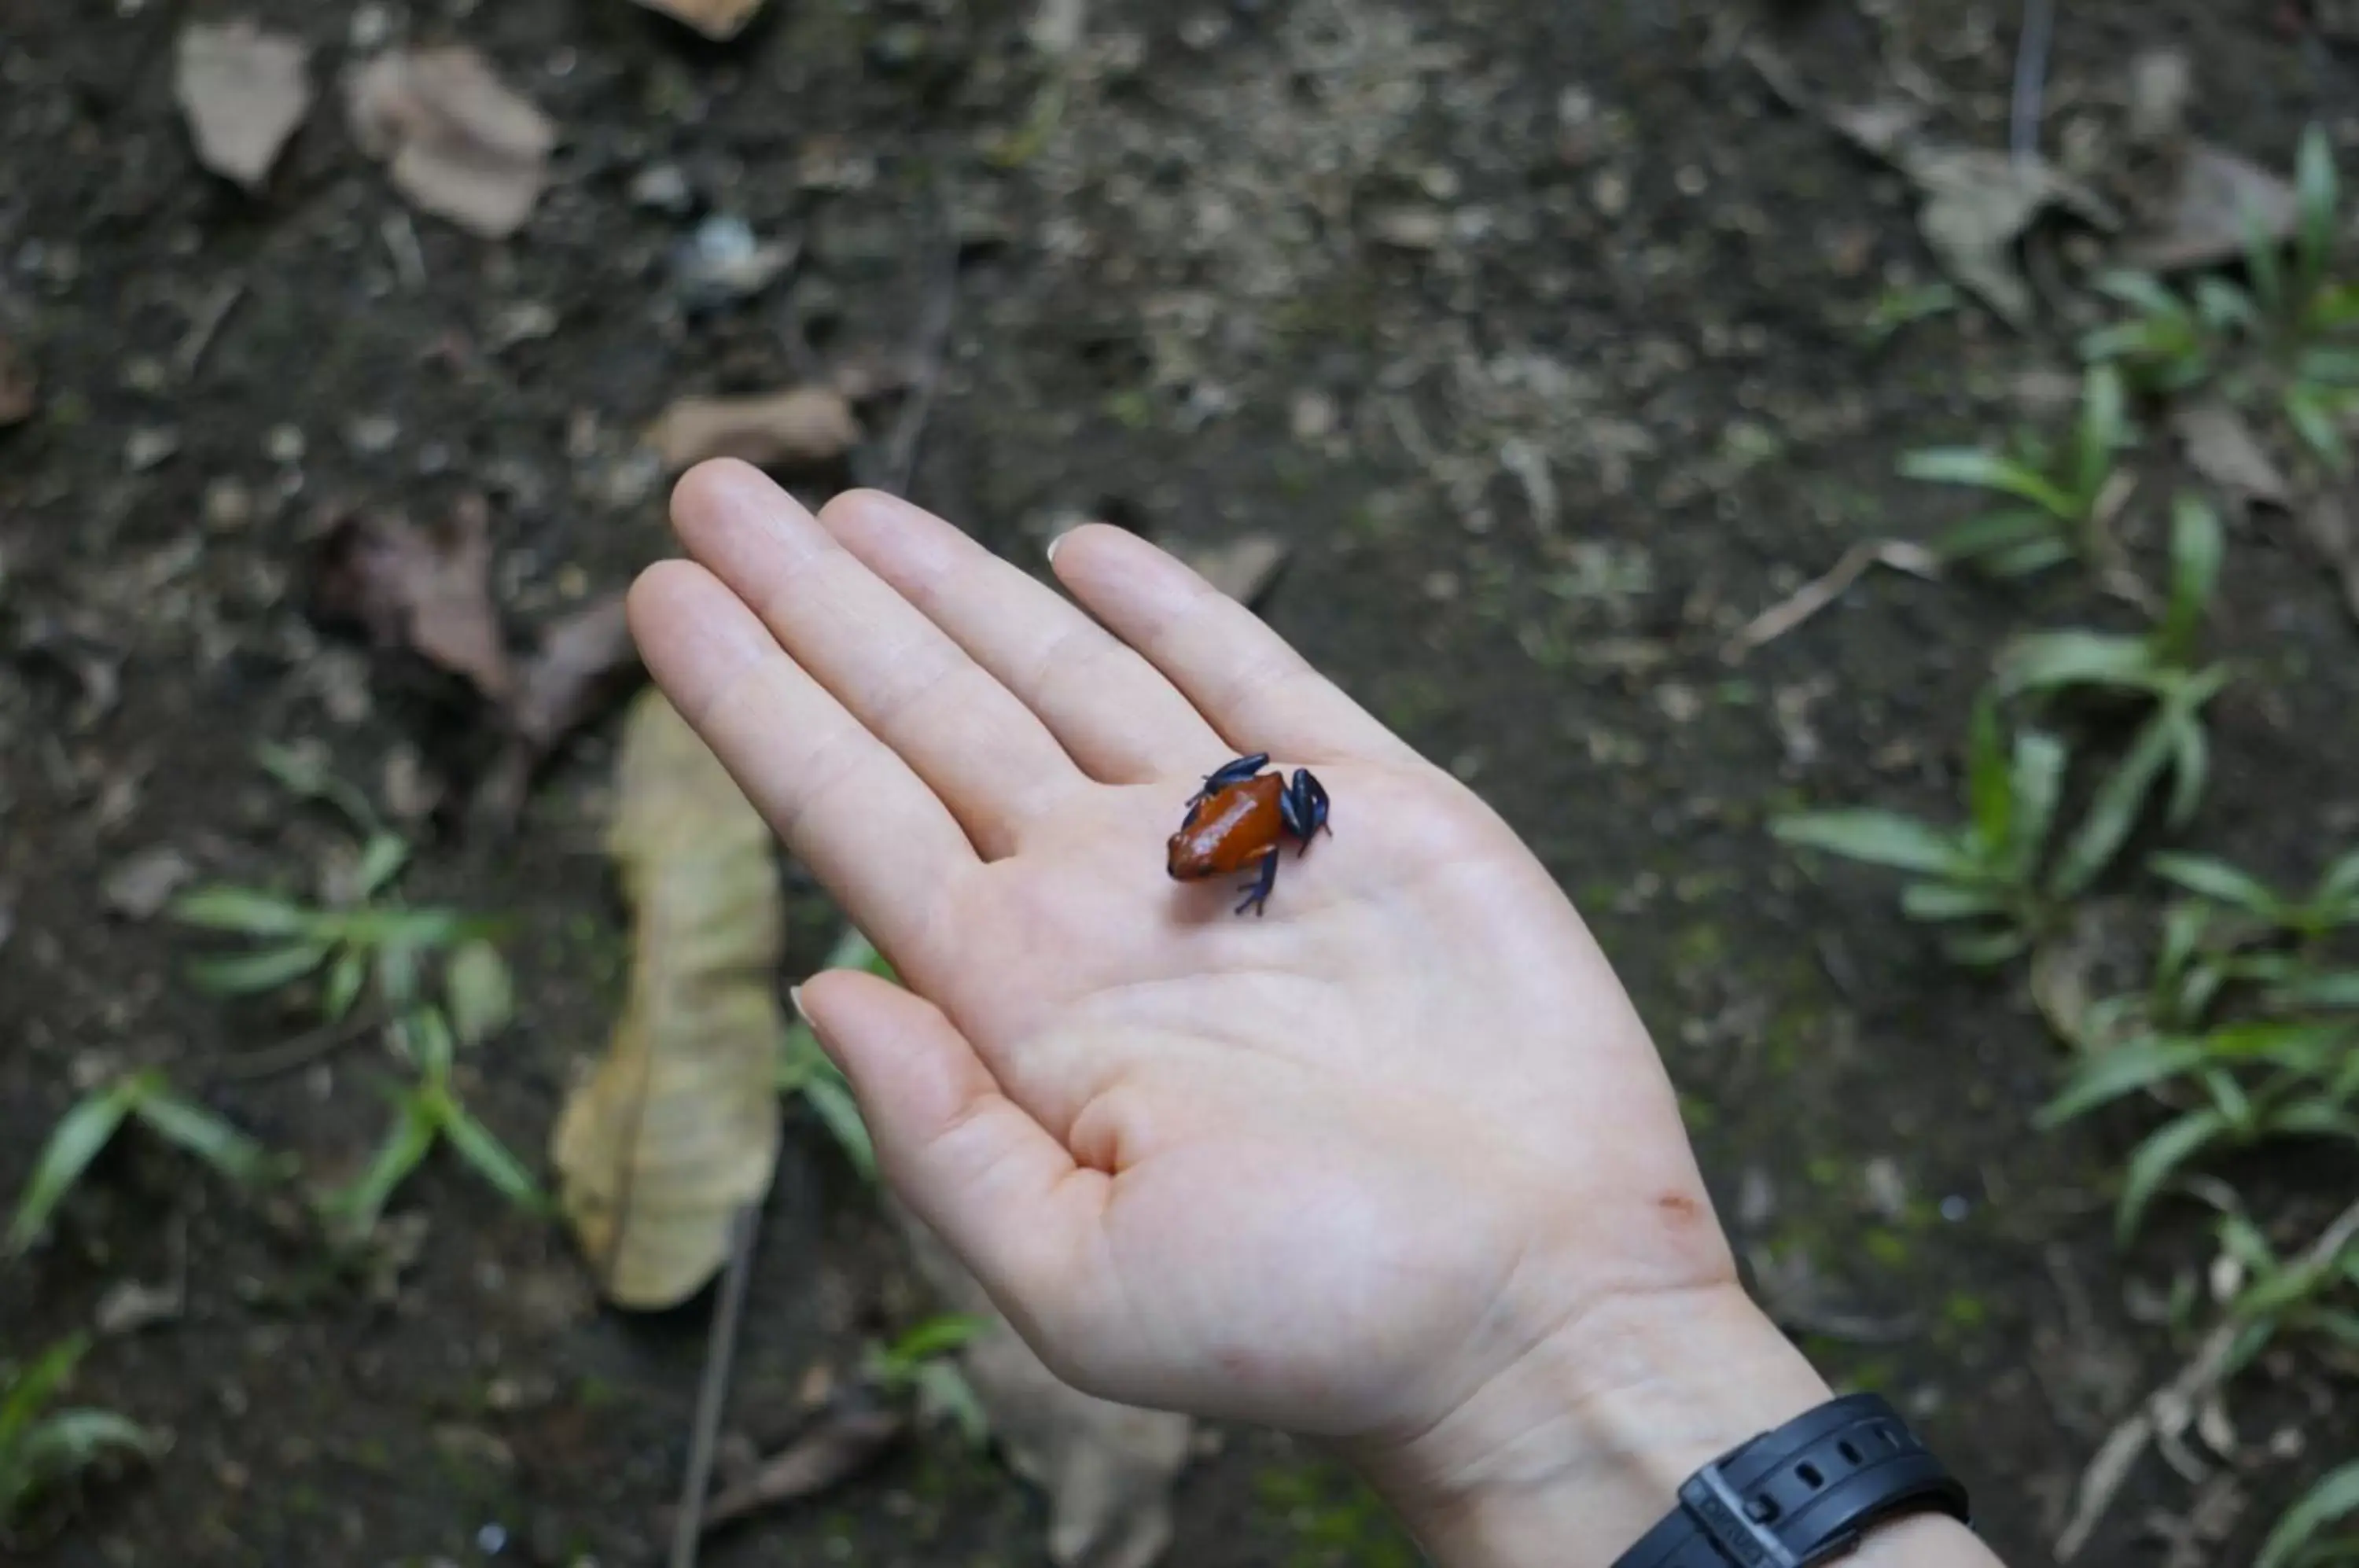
x=985, y=752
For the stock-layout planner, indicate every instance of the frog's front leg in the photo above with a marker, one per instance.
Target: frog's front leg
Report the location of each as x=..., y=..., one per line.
x=1303, y=809
x=1236, y=772
x=1258, y=900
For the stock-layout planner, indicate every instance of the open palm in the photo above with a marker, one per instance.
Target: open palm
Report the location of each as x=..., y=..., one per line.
x=1347, y=1168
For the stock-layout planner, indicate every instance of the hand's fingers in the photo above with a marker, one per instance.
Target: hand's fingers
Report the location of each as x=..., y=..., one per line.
x=1119, y=718
x=1256, y=691
x=986, y=755
x=972, y=1164
x=849, y=809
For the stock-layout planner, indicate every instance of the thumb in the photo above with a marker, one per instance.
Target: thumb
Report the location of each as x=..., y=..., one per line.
x=972, y=1164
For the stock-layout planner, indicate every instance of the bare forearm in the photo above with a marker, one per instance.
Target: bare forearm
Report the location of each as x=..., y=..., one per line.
x=1641, y=1405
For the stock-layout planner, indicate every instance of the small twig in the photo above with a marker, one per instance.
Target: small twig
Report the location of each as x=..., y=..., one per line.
x=892, y=468
x=1817, y=594
x=2164, y=1415
x=719, y=1352
x=205, y=325
x=2031, y=52
x=303, y=1050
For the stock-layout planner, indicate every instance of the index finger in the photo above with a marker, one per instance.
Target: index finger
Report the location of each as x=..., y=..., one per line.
x=882, y=842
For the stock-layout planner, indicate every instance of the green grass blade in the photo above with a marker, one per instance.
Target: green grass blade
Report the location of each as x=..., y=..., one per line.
x=1975, y=469
x=2314, y=419
x=208, y=1136
x=346, y=978
x=936, y=1336
x=2219, y=882
x=81, y=1134
x=1940, y=901
x=489, y=1159
x=2049, y=661
x=1986, y=950
x=382, y=859
x=2222, y=307
x=2037, y=782
x=1877, y=838
x=359, y=1206
x=2142, y=292
x=2103, y=430
x=830, y=1097
x=2326, y=993
x=2160, y=1157
x=71, y=1441
x=28, y=1392
x=300, y=775
x=2191, y=768
x=2335, y=1497
x=2261, y=259
x=248, y=912
x=2119, y=1072
x=480, y=991
x=2028, y=560
x=245, y=974
x=2317, y=194
x=943, y=1389
x=1997, y=533
x=2114, y=812
x=1990, y=794
x=2197, y=546
x=2339, y=881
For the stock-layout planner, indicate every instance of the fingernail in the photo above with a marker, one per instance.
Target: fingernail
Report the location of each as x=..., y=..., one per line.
x=1058, y=541
x=795, y=1000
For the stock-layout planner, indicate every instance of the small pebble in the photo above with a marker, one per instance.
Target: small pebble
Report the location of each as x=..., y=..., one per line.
x=229, y=506
x=147, y=448
x=373, y=434
x=664, y=186
x=1954, y=1209
x=283, y=444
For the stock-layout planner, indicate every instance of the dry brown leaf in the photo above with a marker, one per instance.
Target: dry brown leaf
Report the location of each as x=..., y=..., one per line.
x=244, y=91
x=719, y=19
x=1242, y=568
x=846, y=1438
x=463, y=145
x=582, y=661
x=2206, y=220
x=1977, y=203
x=2224, y=448
x=428, y=592
x=1108, y=1469
x=676, y=1127
x=797, y=429
x=579, y=658
x=17, y=384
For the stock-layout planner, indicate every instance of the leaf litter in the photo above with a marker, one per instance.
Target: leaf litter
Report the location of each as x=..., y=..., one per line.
x=462, y=143
x=1978, y=203
x=244, y=91
x=428, y=592
x=1108, y=1469
x=803, y=427
x=677, y=1127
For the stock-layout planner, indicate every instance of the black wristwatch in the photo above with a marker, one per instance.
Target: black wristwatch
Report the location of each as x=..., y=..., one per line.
x=1803, y=1493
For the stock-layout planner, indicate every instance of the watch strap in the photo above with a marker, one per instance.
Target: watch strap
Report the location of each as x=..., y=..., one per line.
x=1803, y=1493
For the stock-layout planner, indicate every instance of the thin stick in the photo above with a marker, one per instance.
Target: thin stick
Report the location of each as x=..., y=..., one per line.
x=719, y=1351
x=892, y=469
x=301, y=1051
x=2031, y=52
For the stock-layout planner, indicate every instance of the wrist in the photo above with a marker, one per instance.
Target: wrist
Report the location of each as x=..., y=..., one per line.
x=1573, y=1453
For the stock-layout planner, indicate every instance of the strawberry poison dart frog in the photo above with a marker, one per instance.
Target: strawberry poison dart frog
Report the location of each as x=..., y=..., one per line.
x=1238, y=822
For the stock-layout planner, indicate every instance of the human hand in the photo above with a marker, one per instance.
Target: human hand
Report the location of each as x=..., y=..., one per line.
x=1396, y=1165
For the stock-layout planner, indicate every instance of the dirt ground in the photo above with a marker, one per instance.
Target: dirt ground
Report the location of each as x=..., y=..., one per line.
x=1307, y=267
